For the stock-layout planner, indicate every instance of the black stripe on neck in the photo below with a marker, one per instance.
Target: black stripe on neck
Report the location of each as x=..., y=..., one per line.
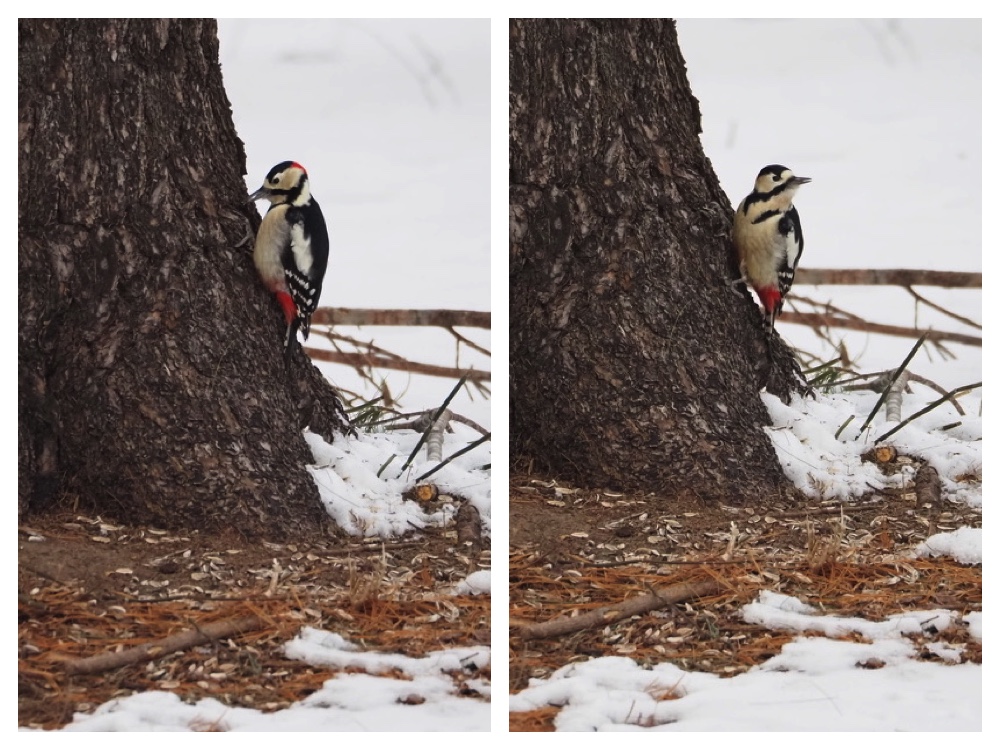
x=766, y=215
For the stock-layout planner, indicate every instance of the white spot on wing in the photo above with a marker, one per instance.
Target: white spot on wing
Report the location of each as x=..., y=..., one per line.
x=300, y=249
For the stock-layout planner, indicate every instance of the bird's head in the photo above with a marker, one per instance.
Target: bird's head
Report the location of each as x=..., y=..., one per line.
x=774, y=179
x=287, y=182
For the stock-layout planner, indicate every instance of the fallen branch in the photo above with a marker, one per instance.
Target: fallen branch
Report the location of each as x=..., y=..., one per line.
x=421, y=418
x=889, y=276
x=469, y=423
x=819, y=320
x=929, y=407
x=878, y=381
x=430, y=425
x=941, y=391
x=453, y=456
x=396, y=363
x=368, y=357
x=150, y=651
x=897, y=373
x=637, y=606
x=346, y=316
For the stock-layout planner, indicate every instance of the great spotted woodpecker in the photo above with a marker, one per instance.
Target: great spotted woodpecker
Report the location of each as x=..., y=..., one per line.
x=768, y=237
x=292, y=246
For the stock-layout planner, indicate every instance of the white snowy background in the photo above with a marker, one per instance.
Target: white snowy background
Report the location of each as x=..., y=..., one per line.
x=885, y=116
x=391, y=120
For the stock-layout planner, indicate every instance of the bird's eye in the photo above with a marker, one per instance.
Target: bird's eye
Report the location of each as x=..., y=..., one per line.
x=775, y=177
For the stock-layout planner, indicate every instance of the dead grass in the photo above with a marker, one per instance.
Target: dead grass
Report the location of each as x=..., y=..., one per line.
x=393, y=600
x=586, y=549
x=709, y=635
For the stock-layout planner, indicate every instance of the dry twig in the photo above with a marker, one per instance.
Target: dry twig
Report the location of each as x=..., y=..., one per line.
x=935, y=387
x=179, y=642
x=470, y=343
x=637, y=606
x=356, y=359
x=367, y=356
x=943, y=310
x=933, y=405
x=820, y=320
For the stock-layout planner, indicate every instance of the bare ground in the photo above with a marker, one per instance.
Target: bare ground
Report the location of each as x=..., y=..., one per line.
x=89, y=586
x=573, y=550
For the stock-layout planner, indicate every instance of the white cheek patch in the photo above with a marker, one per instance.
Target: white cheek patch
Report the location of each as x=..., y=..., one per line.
x=300, y=249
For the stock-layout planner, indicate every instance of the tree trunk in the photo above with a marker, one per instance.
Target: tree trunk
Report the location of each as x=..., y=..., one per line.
x=151, y=380
x=634, y=362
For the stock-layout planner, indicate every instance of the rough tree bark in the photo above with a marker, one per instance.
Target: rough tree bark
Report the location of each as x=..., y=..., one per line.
x=151, y=382
x=633, y=361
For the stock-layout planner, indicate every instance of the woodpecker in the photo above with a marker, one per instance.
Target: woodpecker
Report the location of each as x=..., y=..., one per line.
x=292, y=246
x=768, y=237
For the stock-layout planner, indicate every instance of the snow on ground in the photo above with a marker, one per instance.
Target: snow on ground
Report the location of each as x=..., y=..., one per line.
x=885, y=116
x=361, y=481
x=964, y=545
x=815, y=683
x=422, y=699
x=825, y=466
x=366, y=501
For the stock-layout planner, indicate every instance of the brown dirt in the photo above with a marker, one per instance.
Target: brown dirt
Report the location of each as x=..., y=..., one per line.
x=88, y=586
x=573, y=550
